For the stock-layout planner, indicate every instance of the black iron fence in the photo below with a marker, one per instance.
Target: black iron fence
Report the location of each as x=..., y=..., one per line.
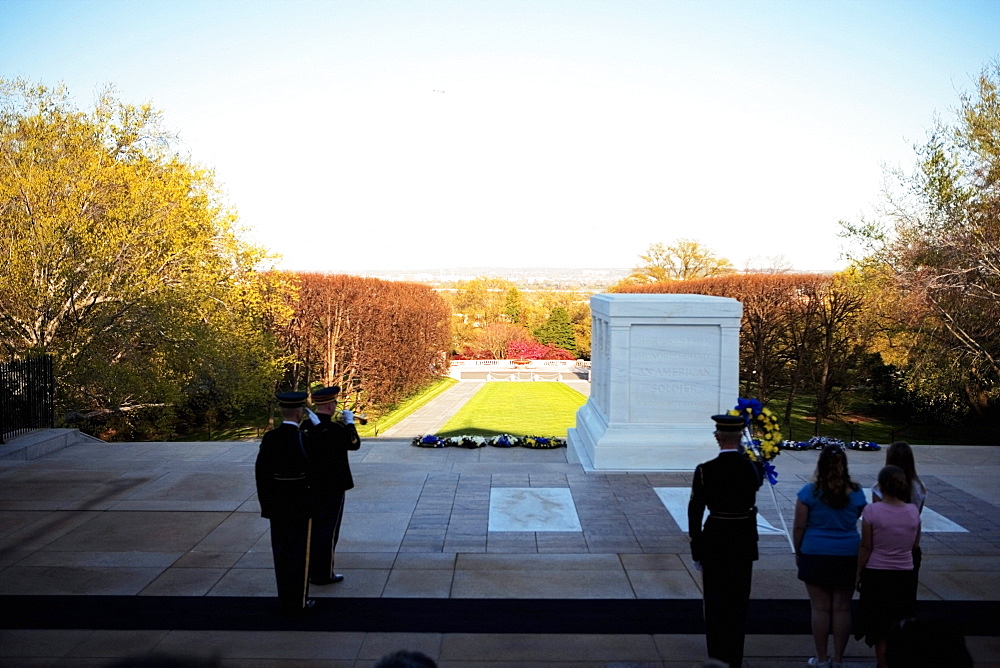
x=26, y=393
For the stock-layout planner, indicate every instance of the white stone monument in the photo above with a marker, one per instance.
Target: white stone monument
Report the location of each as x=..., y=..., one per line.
x=661, y=365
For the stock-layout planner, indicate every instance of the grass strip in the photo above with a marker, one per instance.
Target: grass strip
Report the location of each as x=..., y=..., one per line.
x=405, y=408
x=852, y=424
x=518, y=409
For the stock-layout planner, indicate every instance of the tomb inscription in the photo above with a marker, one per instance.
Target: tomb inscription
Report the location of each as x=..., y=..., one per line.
x=674, y=372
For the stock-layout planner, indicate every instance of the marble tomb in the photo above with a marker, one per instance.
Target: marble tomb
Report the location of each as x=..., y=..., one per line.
x=661, y=365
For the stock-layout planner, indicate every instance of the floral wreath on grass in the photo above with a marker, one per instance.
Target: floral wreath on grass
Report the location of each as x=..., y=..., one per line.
x=501, y=441
x=819, y=442
x=864, y=446
x=762, y=434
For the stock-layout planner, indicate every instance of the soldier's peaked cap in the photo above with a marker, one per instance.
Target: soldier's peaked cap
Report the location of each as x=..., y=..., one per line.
x=325, y=395
x=291, y=399
x=728, y=422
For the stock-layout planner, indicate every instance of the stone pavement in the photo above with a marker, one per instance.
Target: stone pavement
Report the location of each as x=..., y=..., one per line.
x=155, y=525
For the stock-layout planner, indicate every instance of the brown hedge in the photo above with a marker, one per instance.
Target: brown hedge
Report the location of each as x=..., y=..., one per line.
x=379, y=340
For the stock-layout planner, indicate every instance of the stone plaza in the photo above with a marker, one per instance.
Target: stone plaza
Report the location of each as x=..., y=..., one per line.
x=489, y=557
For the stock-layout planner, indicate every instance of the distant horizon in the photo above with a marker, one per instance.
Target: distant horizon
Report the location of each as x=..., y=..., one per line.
x=535, y=269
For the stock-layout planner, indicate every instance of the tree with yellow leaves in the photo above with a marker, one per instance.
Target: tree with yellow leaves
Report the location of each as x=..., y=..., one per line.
x=683, y=260
x=121, y=260
x=934, y=253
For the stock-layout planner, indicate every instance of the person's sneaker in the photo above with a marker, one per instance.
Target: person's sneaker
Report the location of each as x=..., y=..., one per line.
x=816, y=663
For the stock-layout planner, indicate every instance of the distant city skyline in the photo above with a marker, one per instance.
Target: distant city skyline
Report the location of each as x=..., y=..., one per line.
x=358, y=136
x=524, y=277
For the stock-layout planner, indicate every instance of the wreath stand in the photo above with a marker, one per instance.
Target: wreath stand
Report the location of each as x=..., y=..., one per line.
x=748, y=438
x=784, y=527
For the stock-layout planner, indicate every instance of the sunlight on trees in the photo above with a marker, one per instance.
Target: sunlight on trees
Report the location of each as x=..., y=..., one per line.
x=496, y=338
x=557, y=331
x=490, y=312
x=378, y=340
x=122, y=261
x=682, y=260
x=799, y=335
x=933, y=257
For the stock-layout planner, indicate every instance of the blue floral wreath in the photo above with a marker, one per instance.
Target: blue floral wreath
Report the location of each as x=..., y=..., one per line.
x=764, y=447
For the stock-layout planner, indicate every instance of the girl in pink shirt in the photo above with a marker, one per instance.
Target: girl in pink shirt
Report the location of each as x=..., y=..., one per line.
x=890, y=530
x=901, y=454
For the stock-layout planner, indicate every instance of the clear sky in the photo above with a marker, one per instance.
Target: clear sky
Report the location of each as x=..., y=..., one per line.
x=402, y=134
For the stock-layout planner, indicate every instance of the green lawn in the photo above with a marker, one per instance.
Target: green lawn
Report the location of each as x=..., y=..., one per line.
x=852, y=426
x=857, y=423
x=518, y=409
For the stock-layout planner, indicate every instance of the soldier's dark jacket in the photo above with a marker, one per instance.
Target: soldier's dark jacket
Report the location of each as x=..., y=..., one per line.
x=281, y=472
x=328, y=444
x=727, y=486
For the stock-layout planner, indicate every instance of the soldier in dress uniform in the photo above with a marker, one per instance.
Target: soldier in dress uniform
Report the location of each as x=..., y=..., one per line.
x=283, y=492
x=726, y=546
x=328, y=440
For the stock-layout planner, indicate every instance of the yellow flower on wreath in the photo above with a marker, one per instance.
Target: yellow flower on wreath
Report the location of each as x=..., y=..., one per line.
x=764, y=428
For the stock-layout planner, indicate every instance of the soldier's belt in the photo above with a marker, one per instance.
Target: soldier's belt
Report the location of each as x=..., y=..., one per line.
x=290, y=478
x=732, y=516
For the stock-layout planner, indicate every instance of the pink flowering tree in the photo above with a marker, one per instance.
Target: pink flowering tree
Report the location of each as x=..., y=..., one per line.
x=532, y=350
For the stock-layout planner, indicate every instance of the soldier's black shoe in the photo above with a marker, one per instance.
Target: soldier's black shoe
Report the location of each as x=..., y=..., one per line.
x=330, y=580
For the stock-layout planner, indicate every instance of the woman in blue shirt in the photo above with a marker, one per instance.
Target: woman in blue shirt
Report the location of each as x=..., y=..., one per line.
x=826, y=540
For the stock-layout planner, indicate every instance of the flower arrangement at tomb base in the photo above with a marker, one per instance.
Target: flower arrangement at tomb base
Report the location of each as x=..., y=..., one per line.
x=500, y=441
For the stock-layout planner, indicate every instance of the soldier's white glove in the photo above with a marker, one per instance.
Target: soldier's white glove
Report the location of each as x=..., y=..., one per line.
x=348, y=416
x=312, y=416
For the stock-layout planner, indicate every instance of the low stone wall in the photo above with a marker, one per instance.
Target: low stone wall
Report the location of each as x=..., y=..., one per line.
x=520, y=375
x=42, y=442
x=552, y=370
